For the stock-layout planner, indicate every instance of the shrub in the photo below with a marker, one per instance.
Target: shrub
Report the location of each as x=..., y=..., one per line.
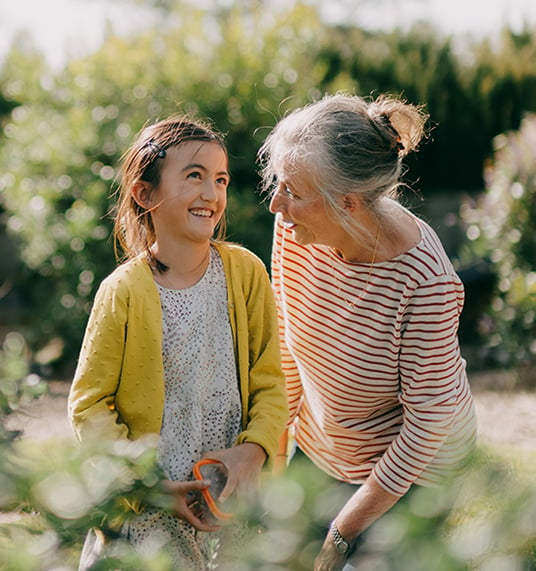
x=63, y=142
x=501, y=227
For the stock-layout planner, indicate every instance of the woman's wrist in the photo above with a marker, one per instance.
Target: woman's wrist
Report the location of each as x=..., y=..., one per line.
x=343, y=544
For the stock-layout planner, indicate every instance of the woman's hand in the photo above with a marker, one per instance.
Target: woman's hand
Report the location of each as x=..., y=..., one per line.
x=281, y=459
x=185, y=505
x=368, y=503
x=244, y=464
x=329, y=559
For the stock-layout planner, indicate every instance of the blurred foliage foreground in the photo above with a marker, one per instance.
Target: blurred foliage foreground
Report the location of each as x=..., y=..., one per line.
x=52, y=492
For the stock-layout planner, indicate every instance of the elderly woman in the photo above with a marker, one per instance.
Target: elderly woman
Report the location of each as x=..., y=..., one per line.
x=369, y=306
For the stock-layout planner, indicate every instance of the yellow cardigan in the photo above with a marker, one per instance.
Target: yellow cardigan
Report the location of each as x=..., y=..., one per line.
x=119, y=381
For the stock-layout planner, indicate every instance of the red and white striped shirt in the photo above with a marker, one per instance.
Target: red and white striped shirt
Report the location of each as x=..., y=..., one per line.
x=376, y=383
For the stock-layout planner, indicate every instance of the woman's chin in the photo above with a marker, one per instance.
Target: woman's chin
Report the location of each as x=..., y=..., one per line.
x=301, y=237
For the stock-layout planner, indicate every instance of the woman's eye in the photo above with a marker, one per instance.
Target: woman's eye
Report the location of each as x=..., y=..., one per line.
x=288, y=193
x=223, y=181
x=194, y=174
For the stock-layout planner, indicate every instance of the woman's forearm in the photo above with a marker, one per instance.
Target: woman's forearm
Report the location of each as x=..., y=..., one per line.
x=369, y=503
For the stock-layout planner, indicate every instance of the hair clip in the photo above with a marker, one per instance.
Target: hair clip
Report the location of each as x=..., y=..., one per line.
x=157, y=149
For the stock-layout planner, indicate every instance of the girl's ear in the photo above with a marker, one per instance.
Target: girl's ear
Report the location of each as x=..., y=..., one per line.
x=141, y=193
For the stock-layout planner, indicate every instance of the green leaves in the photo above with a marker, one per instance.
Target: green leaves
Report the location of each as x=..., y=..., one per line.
x=501, y=226
x=243, y=65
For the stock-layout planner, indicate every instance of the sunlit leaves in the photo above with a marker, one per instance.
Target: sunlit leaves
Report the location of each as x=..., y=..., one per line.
x=501, y=226
x=243, y=65
x=64, y=140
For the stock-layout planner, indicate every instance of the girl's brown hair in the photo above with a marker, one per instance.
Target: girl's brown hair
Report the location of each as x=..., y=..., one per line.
x=133, y=227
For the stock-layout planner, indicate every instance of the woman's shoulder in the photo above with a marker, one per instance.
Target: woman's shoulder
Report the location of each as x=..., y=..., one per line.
x=429, y=255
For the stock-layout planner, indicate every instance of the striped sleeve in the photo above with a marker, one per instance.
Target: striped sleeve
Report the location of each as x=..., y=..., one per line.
x=430, y=367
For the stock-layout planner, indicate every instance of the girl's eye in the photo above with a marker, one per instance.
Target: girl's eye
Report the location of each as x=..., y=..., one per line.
x=194, y=174
x=223, y=180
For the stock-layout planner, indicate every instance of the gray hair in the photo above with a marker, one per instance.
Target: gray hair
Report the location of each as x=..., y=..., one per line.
x=347, y=145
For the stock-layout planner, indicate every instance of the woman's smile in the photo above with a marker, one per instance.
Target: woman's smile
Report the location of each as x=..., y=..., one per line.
x=288, y=224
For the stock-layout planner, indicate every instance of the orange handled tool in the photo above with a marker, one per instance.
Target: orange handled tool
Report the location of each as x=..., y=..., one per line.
x=213, y=470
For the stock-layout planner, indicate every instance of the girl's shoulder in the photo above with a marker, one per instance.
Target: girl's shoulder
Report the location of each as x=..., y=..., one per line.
x=231, y=252
x=132, y=272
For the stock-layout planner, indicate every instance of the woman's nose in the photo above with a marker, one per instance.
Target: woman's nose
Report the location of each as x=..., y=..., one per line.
x=277, y=203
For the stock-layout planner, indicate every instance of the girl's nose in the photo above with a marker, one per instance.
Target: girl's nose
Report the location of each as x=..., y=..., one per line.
x=209, y=192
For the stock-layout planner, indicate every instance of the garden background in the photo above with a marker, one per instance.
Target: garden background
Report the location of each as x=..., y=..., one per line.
x=244, y=65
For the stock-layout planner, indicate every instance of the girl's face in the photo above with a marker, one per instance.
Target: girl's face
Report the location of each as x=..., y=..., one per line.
x=192, y=195
x=302, y=209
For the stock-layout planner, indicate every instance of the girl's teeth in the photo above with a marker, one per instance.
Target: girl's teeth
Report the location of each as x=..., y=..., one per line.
x=203, y=213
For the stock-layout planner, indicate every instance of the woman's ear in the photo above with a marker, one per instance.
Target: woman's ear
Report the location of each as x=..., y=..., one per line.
x=141, y=193
x=349, y=202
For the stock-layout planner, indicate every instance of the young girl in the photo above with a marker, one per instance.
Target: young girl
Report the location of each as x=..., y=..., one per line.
x=182, y=338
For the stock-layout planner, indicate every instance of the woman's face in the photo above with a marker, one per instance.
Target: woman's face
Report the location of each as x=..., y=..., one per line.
x=302, y=209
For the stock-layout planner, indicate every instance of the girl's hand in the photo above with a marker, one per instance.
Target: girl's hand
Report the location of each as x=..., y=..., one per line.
x=185, y=503
x=244, y=464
